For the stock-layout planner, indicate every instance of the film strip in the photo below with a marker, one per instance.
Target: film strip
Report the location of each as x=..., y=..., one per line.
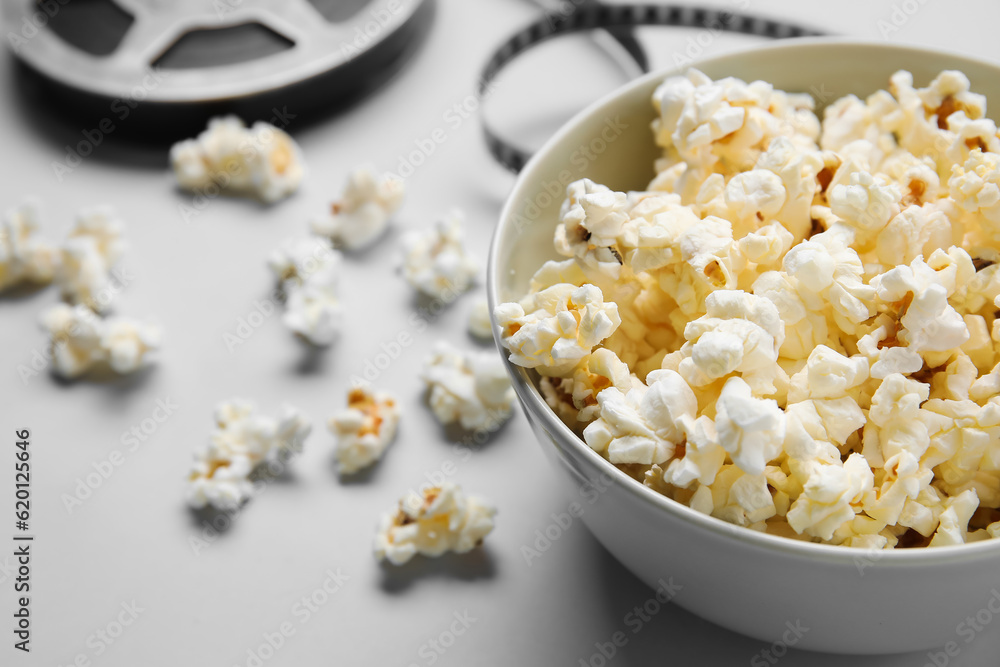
x=614, y=18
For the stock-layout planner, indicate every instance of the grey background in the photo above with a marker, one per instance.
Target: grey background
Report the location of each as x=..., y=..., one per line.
x=131, y=540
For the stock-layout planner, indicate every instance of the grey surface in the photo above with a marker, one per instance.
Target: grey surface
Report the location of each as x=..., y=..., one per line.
x=132, y=539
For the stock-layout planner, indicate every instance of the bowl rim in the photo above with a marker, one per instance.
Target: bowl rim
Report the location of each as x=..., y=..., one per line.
x=533, y=401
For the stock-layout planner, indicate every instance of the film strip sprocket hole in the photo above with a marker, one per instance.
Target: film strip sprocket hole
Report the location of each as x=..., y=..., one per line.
x=578, y=18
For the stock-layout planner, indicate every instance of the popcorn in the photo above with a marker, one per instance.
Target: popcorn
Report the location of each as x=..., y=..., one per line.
x=262, y=161
x=24, y=255
x=82, y=340
x=750, y=429
x=308, y=269
x=362, y=213
x=470, y=388
x=795, y=338
x=242, y=442
x=94, y=246
x=437, y=520
x=365, y=429
x=640, y=426
x=480, y=325
x=829, y=497
x=590, y=223
x=435, y=262
x=553, y=330
x=740, y=333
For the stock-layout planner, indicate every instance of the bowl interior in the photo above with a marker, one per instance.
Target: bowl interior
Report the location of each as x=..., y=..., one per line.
x=611, y=143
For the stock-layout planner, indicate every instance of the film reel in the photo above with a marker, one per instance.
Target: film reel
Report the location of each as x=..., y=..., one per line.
x=189, y=59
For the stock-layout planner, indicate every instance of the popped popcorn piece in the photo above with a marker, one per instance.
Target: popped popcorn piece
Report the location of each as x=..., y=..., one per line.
x=307, y=268
x=362, y=213
x=954, y=520
x=436, y=263
x=641, y=426
x=24, y=255
x=553, y=330
x=590, y=222
x=575, y=398
x=261, y=161
x=242, y=441
x=471, y=388
x=81, y=340
x=439, y=519
x=741, y=333
x=365, y=429
x=87, y=258
x=750, y=429
x=829, y=497
x=480, y=325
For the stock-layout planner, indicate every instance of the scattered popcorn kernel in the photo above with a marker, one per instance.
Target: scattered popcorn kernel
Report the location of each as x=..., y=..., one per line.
x=308, y=270
x=435, y=261
x=471, y=388
x=81, y=340
x=480, y=325
x=365, y=429
x=440, y=519
x=87, y=258
x=242, y=442
x=261, y=161
x=24, y=255
x=362, y=213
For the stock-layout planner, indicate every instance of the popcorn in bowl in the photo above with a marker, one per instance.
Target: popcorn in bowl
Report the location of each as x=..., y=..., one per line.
x=793, y=328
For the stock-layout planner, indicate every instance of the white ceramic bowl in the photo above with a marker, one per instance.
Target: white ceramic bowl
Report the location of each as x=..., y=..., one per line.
x=852, y=600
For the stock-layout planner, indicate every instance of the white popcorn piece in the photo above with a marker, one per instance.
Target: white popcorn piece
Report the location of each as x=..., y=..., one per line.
x=702, y=458
x=365, y=429
x=430, y=523
x=480, y=325
x=25, y=257
x=262, y=161
x=954, y=521
x=830, y=496
x=362, y=213
x=575, y=398
x=553, y=330
x=308, y=270
x=82, y=340
x=436, y=263
x=590, y=222
x=741, y=333
x=471, y=388
x=242, y=441
x=641, y=426
x=750, y=429
x=88, y=257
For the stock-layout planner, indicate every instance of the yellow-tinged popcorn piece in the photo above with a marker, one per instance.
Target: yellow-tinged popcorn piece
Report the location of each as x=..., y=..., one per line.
x=362, y=213
x=365, y=429
x=81, y=340
x=261, y=161
x=242, y=441
x=308, y=270
x=641, y=425
x=438, y=519
x=435, y=261
x=479, y=323
x=88, y=257
x=471, y=388
x=553, y=330
x=805, y=338
x=24, y=255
